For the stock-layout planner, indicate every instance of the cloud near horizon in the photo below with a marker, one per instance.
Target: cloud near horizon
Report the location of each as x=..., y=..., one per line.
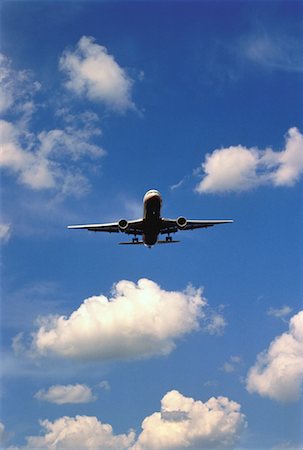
x=79, y=432
x=278, y=371
x=238, y=168
x=182, y=423
x=93, y=73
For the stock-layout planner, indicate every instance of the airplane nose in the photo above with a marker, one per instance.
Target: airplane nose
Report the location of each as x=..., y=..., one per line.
x=152, y=193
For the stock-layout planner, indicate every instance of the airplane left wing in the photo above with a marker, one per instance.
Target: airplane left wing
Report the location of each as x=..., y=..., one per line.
x=173, y=225
x=129, y=227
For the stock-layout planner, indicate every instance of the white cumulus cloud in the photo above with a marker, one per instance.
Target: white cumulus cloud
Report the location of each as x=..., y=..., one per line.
x=94, y=73
x=239, y=168
x=187, y=423
x=139, y=320
x=80, y=432
x=72, y=393
x=278, y=371
x=182, y=423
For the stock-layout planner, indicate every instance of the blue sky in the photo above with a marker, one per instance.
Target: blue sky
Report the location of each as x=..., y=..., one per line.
x=196, y=345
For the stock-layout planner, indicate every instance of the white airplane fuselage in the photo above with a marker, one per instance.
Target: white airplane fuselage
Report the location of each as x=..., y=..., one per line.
x=152, y=202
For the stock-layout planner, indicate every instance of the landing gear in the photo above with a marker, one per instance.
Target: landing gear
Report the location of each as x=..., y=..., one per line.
x=168, y=238
x=135, y=240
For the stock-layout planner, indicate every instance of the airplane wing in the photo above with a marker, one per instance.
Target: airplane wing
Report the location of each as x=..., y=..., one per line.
x=129, y=227
x=174, y=225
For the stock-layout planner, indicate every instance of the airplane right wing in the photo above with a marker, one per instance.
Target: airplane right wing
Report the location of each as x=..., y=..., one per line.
x=129, y=227
x=174, y=225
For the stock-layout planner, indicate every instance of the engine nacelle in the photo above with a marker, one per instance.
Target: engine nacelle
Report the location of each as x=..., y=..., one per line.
x=181, y=222
x=123, y=224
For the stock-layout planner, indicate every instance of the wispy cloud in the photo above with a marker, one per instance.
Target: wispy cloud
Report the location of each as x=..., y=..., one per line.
x=104, y=384
x=273, y=51
x=46, y=159
x=17, y=88
x=5, y=232
x=173, y=187
x=279, y=313
x=50, y=159
x=232, y=364
x=240, y=168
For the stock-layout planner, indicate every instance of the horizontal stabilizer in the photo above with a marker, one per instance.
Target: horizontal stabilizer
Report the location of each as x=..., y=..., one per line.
x=167, y=242
x=131, y=243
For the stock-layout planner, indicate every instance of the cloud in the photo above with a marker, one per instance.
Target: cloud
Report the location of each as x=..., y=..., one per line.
x=92, y=72
x=34, y=170
x=187, y=423
x=5, y=232
x=49, y=160
x=182, y=423
x=17, y=88
x=80, y=432
x=275, y=52
x=2, y=433
x=175, y=186
x=279, y=313
x=287, y=446
x=72, y=393
x=240, y=169
x=278, y=371
x=231, y=365
x=131, y=324
x=104, y=384
x=215, y=323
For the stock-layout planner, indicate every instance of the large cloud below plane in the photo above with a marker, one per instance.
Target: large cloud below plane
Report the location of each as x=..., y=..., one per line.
x=139, y=320
x=278, y=371
x=182, y=423
x=239, y=168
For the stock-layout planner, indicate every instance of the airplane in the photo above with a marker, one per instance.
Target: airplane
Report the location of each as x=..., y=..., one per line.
x=151, y=225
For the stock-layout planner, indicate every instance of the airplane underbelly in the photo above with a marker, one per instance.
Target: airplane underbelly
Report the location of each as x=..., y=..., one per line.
x=151, y=227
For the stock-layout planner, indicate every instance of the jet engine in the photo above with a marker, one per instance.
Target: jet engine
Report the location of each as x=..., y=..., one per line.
x=181, y=223
x=123, y=224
